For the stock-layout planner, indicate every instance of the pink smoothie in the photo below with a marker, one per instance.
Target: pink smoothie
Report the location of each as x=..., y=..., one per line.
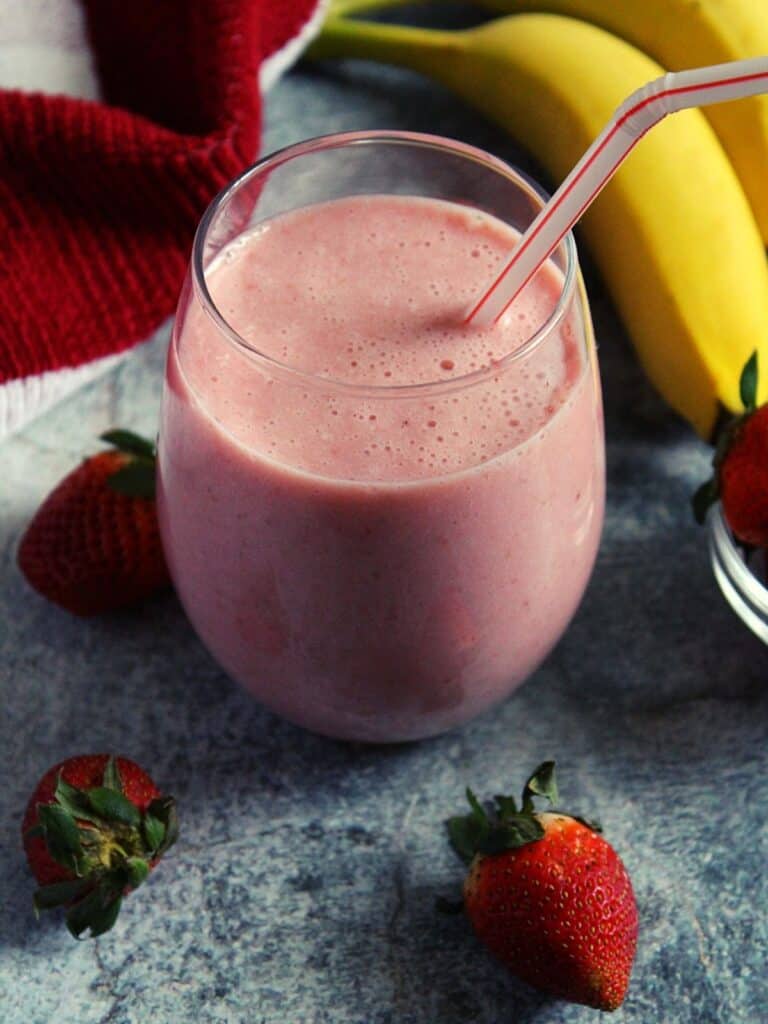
x=372, y=560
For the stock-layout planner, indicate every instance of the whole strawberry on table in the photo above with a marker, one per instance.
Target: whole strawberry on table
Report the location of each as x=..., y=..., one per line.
x=94, y=544
x=94, y=828
x=548, y=895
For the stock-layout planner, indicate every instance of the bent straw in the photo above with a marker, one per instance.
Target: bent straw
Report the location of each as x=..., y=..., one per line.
x=636, y=115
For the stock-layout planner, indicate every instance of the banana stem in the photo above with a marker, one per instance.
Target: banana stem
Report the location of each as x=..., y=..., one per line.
x=390, y=44
x=339, y=8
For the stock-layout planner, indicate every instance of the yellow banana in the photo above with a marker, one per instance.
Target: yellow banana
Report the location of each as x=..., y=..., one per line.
x=678, y=34
x=688, y=33
x=673, y=234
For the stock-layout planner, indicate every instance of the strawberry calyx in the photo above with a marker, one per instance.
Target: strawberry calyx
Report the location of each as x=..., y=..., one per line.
x=708, y=493
x=136, y=475
x=501, y=825
x=107, y=844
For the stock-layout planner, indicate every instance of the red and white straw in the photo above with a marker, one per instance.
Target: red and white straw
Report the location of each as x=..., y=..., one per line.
x=636, y=115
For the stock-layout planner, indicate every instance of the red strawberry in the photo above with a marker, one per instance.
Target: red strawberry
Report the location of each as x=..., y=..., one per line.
x=94, y=543
x=740, y=478
x=744, y=480
x=548, y=896
x=94, y=828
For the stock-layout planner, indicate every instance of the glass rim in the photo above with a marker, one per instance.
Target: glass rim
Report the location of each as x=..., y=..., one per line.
x=724, y=549
x=339, y=140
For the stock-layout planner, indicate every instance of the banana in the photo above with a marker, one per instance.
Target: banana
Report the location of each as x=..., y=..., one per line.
x=688, y=33
x=678, y=34
x=673, y=234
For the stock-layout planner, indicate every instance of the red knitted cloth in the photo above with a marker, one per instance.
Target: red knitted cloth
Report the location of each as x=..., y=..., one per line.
x=99, y=201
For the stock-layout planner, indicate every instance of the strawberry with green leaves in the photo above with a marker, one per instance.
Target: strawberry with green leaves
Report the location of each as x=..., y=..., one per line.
x=94, y=544
x=548, y=896
x=740, y=464
x=94, y=828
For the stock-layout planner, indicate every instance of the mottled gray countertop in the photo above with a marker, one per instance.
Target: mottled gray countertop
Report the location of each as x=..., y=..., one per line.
x=302, y=888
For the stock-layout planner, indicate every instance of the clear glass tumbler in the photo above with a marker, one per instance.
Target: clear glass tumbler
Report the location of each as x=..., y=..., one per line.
x=377, y=559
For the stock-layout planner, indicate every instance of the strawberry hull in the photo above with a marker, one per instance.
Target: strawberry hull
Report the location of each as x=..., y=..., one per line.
x=84, y=772
x=94, y=829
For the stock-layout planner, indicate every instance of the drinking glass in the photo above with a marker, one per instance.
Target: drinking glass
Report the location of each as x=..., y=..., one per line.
x=358, y=601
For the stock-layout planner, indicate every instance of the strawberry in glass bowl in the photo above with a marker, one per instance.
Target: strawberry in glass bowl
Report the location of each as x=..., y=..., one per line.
x=734, y=504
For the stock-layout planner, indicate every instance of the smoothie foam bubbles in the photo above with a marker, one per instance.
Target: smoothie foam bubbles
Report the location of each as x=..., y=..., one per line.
x=371, y=291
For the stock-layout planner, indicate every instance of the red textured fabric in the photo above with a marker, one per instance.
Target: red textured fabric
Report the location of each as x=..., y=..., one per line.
x=282, y=20
x=99, y=201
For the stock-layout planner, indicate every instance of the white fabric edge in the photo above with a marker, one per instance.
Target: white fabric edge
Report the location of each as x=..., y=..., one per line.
x=47, y=69
x=25, y=398
x=281, y=60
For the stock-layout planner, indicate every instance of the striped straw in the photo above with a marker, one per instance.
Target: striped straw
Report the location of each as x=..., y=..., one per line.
x=636, y=115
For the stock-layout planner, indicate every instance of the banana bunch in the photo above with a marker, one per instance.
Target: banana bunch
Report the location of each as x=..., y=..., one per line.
x=680, y=34
x=675, y=233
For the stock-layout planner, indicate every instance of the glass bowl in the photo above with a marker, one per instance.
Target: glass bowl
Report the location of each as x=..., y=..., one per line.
x=740, y=573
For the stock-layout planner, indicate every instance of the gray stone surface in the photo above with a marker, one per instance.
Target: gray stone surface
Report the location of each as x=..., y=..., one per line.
x=302, y=889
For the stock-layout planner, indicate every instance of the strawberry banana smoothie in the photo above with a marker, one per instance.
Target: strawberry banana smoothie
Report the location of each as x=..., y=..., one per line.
x=378, y=520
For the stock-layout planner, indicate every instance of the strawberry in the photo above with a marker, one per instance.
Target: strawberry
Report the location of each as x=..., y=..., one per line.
x=744, y=480
x=94, y=544
x=94, y=828
x=740, y=463
x=548, y=896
